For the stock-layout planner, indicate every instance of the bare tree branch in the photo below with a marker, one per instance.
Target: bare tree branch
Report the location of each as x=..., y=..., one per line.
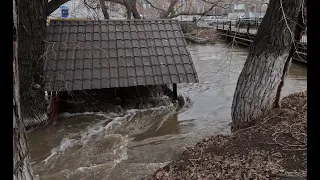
x=201, y=14
x=170, y=9
x=154, y=6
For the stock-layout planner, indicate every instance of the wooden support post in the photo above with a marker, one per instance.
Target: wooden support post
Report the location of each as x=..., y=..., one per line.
x=230, y=26
x=223, y=25
x=174, y=92
x=248, y=29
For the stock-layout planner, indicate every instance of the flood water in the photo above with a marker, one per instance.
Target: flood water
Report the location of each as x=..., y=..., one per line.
x=135, y=143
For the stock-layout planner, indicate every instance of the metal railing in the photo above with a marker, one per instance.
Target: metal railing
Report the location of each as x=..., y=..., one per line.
x=248, y=26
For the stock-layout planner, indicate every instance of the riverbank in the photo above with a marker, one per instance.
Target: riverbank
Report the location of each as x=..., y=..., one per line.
x=274, y=148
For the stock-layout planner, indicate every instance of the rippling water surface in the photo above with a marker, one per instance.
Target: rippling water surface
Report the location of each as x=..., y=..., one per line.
x=134, y=143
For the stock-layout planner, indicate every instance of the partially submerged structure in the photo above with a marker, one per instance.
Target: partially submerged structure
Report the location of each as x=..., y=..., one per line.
x=115, y=59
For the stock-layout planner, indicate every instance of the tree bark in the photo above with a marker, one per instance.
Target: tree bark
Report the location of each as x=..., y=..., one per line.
x=21, y=167
x=32, y=30
x=133, y=8
x=104, y=9
x=265, y=67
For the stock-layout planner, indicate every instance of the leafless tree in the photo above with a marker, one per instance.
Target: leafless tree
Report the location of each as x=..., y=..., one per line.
x=261, y=80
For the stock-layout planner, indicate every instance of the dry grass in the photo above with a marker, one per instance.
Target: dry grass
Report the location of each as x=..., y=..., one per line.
x=274, y=148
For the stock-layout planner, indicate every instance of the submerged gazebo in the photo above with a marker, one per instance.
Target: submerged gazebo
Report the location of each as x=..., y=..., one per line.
x=85, y=55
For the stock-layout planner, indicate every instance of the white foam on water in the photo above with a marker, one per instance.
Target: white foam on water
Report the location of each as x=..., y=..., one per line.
x=65, y=144
x=67, y=114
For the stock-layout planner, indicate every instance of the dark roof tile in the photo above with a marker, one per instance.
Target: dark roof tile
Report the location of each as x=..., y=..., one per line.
x=69, y=75
x=123, y=82
x=104, y=63
x=141, y=81
x=73, y=37
x=114, y=73
x=154, y=60
x=175, y=50
x=87, y=74
x=105, y=83
x=70, y=65
x=135, y=43
x=61, y=65
x=86, y=84
x=180, y=69
x=177, y=59
x=143, y=43
x=112, y=36
x=156, y=70
x=62, y=55
x=121, y=53
x=96, y=83
x=122, y=72
x=122, y=62
x=130, y=61
x=96, y=64
x=156, y=34
x=139, y=71
x=136, y=52
x=183, y=50
x=164, y=69
x=162, y=60
x=167, y=51
x=132, y=81
x=150, y=80
x=188, y=68
x=78, y=74
x=172, y=69
x=142, y=35
x=165, y=42
x=170, y=60
x=105, y=73
x=166, y=79
x=175, y=78
x=173, y=42
x=134, y=35
x=160, y=51
x=148, y=71
x=158, y=79
x=120, y=44
x=104, y=36
x=131, y=71
x=78, y=64
x=114, y=82
x=146, y=61
x=144, y=52
x=96, y=36
x=183, y=78
x=113, y=62
x=191, y=78
x=88, y=54
x=96, y=73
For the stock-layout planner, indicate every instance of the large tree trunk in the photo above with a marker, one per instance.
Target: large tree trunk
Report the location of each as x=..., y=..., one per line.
x=32, y=29
x=267, y=63
x=21, y=167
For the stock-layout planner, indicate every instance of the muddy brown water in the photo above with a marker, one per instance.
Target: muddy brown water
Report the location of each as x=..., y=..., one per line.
x=135, y=143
